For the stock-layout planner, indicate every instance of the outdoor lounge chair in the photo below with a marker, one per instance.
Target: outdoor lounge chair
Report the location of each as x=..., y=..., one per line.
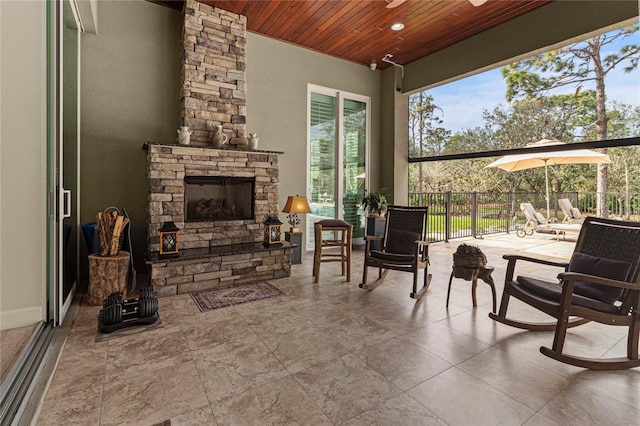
x=571, y=214
x=536, y=222
x=403, y=248
x=601, y=283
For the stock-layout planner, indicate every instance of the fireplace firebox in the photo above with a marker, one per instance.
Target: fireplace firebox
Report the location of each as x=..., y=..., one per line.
x=215, y=198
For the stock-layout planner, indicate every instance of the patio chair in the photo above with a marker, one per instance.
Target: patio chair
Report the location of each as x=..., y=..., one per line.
x=536, y=222
x=571, y=214
x=403, y=248
x=601, y=283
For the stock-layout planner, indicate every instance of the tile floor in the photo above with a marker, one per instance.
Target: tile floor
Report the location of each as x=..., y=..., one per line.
x=332, y=353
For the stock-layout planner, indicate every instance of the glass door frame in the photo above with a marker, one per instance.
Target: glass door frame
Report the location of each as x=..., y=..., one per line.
x=339, y=158
x=59, y=200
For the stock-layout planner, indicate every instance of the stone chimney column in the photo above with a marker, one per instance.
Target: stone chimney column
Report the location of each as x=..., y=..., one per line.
x=213, y=79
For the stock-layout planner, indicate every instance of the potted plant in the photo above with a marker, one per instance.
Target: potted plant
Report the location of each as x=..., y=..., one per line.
x=469, y=256
x=375, y=202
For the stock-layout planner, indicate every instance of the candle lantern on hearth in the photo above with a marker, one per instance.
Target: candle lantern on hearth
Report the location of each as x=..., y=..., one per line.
x=168, y=241
x=272, y=231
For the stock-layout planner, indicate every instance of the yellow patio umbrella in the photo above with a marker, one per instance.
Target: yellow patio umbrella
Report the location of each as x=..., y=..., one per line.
x=512, y=163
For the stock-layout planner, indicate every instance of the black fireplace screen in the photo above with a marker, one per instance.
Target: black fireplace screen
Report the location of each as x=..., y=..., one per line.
x=210, y=198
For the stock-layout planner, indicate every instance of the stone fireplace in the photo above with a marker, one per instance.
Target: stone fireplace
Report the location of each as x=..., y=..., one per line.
x=218, y=197
x=221, y=250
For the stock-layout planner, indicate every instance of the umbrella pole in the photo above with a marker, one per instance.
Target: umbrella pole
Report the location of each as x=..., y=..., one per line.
x=546, y=185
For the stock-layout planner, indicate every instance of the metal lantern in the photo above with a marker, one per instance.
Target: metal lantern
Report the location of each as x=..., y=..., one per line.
x=272, y=231
x=168, y=241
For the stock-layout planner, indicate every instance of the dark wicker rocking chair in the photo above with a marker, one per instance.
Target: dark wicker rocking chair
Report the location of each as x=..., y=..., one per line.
x=403, y=248
x=601, y=283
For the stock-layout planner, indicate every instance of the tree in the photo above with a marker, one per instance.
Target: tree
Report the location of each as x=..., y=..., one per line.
x=625, y=171
x=528, y=120
x=425, y=137
x=575, y=65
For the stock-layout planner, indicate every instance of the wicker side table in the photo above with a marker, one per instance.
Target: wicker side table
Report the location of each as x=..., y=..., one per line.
x=472, y=273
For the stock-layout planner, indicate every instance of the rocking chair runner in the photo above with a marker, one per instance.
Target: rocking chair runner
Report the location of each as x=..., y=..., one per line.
x=601, y=283
x=403, y=248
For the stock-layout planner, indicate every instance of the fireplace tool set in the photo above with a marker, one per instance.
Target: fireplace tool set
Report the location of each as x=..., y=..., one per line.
x=118, y=312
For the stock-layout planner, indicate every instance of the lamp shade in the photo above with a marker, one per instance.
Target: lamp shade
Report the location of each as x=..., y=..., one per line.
x=297, y=204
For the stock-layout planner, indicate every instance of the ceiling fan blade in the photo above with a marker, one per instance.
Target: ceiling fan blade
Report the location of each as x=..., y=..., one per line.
x=477, y=3
x=395, y=3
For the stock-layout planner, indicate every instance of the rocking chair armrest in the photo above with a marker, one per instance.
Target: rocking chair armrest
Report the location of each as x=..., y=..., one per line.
x=512, y=258
x=368, y=239
x=575, y=276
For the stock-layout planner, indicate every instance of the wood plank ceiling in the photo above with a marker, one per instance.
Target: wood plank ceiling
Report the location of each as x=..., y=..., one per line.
x=360, y=30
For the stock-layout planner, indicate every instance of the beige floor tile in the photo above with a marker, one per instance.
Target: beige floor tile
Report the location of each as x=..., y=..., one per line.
x=579, y=405
x=79, y=371
x=526, y=345
x=231, y=368
x=521, y=380
x=402, y=362
x=282, y=402
x=303, y=347
x=356, y=332
x=451, y=345
x=12, y=342
x=401, y=319
x=78, y=408
x=460, y=399
x=146, y=352
x=154, y=396
x=540, y=420
x=398, y=410
x=202, y=334
x=199, y=417
x=345, y=387
x=623, y=385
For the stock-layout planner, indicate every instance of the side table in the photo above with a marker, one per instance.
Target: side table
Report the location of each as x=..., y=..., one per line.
x=470, y=273
x=296, y=253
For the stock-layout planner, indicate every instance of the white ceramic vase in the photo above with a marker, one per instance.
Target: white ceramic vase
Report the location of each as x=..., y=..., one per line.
x=219, y=138
x=184, y=135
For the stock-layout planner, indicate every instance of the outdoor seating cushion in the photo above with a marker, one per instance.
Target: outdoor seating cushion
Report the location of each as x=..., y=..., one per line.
x=333, y=223
x=590, y=295
x=553, y=291
x=540, y=218
x=601, y=267
x=575, y=213
x=405, y=259
x=401, y=242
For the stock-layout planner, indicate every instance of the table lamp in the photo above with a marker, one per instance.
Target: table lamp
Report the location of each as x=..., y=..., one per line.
x=294, y=206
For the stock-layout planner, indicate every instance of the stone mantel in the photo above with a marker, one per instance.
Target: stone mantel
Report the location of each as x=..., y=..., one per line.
x=147, y=144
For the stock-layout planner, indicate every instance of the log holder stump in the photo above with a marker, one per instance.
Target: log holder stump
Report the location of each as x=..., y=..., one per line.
x=107, y=274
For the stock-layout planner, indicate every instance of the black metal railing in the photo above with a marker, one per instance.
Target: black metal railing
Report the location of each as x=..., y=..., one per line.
x=475, y=214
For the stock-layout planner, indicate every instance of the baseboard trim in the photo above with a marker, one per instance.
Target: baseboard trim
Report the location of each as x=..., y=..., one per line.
x=21, y=317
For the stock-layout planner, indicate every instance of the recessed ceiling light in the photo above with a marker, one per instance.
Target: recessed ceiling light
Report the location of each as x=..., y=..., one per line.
x=397, y=26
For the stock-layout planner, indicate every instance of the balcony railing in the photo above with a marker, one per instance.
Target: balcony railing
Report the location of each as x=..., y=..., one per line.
x=474, y=214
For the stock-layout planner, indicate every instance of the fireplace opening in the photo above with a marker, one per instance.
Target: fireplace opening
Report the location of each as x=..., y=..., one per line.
x=211, y=198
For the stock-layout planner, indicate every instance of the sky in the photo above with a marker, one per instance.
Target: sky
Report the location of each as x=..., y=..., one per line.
x=486, y=90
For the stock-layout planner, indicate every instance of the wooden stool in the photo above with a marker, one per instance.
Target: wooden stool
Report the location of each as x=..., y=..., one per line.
x=343, y=241
x=470, y=273
x=107, y=274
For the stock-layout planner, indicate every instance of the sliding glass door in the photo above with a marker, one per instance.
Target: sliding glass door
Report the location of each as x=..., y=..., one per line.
x=338, y=149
